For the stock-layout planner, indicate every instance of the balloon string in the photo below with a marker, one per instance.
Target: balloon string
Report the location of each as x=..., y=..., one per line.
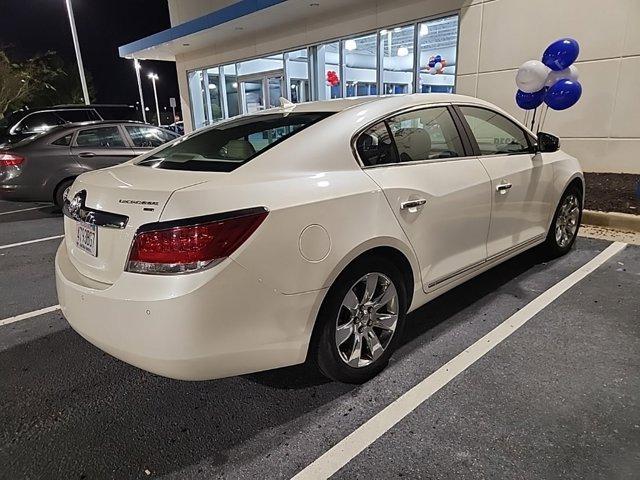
x=544, y=118
x=534, y=117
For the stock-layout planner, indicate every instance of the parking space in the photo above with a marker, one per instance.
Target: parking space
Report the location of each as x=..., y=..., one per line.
x=557, y=398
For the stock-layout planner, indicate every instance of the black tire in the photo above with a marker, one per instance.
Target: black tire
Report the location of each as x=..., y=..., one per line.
x=325, y=350
x=58, y=195
x=552, y=247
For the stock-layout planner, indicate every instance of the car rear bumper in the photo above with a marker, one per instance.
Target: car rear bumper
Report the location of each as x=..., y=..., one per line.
x=211, y=324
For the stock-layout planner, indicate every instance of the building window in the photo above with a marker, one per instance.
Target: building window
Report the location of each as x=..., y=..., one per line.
x=360, y=66
x=297, y=74
x=419, y=57
x=438, y=41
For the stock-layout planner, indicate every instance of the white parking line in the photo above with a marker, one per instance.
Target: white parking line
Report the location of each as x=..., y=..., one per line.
x=347, y=449
x=22, y=210
x=24, y=316
x=11, y=245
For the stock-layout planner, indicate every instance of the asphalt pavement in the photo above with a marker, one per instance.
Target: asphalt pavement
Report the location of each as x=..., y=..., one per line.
x=558, y=398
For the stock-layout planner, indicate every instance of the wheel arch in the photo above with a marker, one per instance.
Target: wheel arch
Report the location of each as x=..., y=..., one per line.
x=395, y=250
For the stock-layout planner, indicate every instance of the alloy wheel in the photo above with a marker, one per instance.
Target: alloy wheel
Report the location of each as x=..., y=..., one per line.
x=567, y=221
x=367, y=320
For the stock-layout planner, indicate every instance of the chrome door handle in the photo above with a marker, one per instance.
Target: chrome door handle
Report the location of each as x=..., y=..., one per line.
x=86, y=154
x=412, y=205
x=503, y=188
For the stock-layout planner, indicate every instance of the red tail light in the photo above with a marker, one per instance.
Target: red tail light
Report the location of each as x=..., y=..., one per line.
x=8, y=159
x=182, y=249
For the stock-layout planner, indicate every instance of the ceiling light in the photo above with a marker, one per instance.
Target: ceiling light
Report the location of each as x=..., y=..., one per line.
x=234, y=84
x=424, y=30
x=403, y=51
x=350, y=45
x=383, y=32
x=212, y=86
x=397, y=29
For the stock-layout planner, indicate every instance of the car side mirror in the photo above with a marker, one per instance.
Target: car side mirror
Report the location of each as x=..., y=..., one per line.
x=547, y=142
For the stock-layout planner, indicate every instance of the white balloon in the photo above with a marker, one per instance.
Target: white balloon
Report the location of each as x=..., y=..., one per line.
x=570, y=73
x=438, y=66
x=532, y=76
x=433, y=71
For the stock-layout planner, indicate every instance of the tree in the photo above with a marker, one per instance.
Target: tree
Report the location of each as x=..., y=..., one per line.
x=38, y=82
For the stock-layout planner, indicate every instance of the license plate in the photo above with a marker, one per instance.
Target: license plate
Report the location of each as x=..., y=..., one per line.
x=87, y=238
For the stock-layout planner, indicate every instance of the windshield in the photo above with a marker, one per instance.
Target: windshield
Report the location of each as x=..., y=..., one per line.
x=231, y=144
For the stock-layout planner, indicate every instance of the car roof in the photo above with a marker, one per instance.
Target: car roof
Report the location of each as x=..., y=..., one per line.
x=340, y=104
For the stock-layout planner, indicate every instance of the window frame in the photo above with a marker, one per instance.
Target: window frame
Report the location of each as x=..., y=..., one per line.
x=472, y=139
x=126, y=142
x=462, y=132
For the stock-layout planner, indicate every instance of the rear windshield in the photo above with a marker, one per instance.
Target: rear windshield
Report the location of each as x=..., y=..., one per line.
x=231, y=144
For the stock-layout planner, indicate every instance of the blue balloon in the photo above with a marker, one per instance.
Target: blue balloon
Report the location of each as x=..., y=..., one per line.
x=432, y=64
x=529, y=101
x=561, y=54
x=438, y=58
x=563, y=94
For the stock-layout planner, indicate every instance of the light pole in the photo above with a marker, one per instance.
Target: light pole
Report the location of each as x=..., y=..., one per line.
x=76, y=45
x=137, y=66
x=153, y=78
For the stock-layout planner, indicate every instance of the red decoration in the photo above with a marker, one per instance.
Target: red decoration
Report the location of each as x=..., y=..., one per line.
x=332, y=78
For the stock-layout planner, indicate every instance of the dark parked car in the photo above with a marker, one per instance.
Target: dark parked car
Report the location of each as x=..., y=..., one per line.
x=43, y=166
x=25, y=123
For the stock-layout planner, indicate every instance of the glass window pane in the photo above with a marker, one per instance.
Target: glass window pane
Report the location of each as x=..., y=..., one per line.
x=148, y=137
x=212, y=85
x=298, y=72
x=231, y=89
x=63, y=141
x=397, y=59
x=426, y=135
x=360, y=65
x=103, y=137
x=198, y=99
x=39, y=122
x=228, y=145
x=494, y=133
x=438, y=51
x=328, y=71
x=375, y=146
x=76, y=115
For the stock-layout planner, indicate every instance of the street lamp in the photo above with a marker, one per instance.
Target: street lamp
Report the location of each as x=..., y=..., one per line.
x=137, y=66
x=76, y=46
x=153, y=78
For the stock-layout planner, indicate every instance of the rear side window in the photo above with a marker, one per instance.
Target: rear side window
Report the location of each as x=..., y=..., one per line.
x=148, y=137
x=231, y=144
x=39, y=122
x=495, y=134
x=427, y=134
x=63, y=141
x=77, y=115
x=102, y=137
x=375, y=146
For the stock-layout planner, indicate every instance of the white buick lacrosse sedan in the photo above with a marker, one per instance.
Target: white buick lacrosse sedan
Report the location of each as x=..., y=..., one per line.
x=305, y=232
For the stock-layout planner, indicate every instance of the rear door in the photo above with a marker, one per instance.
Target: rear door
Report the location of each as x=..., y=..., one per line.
x=521, y=181
x=100, y=147
x=440, y=195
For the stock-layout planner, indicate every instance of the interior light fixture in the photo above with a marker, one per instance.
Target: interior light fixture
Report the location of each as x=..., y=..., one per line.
x=212, y=86
x=403, y=51
x=424, y=30
x=234, y=84
x=383, y=32
x=350, y=45
x=397, y=29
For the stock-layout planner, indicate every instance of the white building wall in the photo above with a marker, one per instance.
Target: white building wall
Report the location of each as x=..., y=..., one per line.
x=496, y=36
x=603, y=129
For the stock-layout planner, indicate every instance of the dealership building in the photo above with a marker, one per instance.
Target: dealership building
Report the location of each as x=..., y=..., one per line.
x=235, y=57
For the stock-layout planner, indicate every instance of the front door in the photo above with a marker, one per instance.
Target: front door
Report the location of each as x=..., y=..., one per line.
x=100, y=147
x=441, y=198
x=261, y=92
x=521, y=181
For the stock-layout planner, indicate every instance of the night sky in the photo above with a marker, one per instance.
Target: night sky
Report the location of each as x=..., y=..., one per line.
x=29, y=27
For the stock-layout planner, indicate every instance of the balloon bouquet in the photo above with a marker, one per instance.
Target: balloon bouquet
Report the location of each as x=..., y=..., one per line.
x=437, y=64
x=553, y=81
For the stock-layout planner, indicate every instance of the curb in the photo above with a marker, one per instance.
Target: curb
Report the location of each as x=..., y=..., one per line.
x=619, y=221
